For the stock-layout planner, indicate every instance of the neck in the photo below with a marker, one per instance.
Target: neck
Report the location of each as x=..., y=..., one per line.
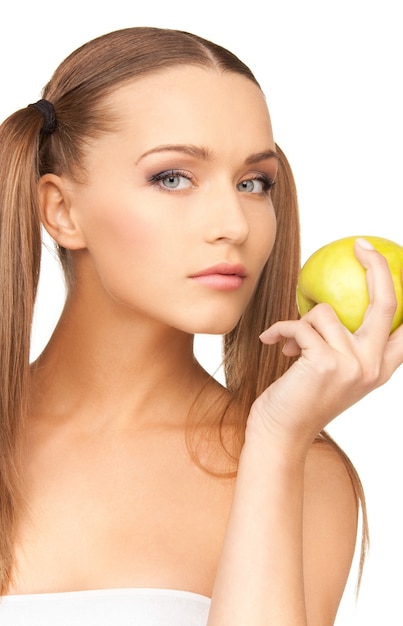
x=112, y=365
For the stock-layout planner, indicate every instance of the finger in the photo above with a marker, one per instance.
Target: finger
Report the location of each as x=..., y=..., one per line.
x=324, y=321
x=291, y=348
x=298, y=333
x=382, y=306
x=393, y=355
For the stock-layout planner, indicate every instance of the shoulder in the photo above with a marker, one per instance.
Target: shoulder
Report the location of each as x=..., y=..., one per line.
x=330, y=501
x=330, y=529
x=326, y=468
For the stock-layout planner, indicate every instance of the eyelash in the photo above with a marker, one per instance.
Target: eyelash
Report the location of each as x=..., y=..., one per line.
x=156, y=178
x=267, y=182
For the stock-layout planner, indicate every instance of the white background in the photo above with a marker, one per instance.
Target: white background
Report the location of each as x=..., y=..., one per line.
x=332, y=74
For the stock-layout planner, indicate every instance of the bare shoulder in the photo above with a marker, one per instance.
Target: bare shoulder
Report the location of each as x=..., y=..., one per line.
x=330, y=503
x=330, y=530
x=326, y=470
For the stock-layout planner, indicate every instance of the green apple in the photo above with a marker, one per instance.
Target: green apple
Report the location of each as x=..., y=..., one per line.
x=334, y=275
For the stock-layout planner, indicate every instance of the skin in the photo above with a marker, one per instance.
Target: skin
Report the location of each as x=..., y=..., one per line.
x=135, y=243
x=112, y=390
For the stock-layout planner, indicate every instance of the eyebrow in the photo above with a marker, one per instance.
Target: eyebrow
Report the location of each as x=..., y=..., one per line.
x=196, y=151
x=262, y=156
x=203, y=153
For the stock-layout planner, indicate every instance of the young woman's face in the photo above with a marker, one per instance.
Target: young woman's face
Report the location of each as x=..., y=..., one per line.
x=175, y=209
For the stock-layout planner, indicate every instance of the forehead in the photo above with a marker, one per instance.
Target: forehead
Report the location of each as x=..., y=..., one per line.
x=192, y=104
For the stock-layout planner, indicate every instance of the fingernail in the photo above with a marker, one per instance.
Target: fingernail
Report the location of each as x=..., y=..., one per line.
x=262, y=335
x=363, y=243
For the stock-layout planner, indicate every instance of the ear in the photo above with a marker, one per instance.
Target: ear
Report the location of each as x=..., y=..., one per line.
x=56, y=214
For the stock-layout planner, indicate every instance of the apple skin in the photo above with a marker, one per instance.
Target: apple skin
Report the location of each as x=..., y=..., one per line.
x=333, y=274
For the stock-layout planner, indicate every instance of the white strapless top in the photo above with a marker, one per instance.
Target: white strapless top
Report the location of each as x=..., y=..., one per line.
x=106, y=607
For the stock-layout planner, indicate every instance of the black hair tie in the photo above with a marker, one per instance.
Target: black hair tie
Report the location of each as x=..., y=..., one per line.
x=47, y=109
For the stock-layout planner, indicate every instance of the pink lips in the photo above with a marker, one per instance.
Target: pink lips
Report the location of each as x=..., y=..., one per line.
x=223, y=276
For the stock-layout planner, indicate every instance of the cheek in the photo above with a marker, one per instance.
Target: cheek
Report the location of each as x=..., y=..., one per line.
x=115, y=229
x=264, y=235
x=122, y=244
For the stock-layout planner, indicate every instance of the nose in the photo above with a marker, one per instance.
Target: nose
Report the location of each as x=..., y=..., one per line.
x=225, y=218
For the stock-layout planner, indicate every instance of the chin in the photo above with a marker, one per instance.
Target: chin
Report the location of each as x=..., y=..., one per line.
x=215, y=328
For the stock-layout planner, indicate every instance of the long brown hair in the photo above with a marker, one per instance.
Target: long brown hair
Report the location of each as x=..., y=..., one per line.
x=78, y=90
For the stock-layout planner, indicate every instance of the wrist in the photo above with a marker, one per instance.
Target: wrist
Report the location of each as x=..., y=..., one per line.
x=270, y=438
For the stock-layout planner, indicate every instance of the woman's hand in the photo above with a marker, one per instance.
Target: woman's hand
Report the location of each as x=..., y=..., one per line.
x=336, y=368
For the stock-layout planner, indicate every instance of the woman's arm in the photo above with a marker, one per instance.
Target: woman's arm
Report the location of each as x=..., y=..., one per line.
x=272, y=572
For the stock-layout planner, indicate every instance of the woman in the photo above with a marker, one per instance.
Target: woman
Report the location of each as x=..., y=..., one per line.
x=132, y=481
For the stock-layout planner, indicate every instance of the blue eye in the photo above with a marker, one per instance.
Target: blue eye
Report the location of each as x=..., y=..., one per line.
x=260, y=184
x=172, y=180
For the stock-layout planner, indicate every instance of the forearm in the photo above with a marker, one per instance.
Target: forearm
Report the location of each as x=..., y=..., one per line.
x=260, y=576
x=270, y=550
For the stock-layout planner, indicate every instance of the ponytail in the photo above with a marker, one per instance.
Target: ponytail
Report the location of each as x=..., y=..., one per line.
x=20, y=252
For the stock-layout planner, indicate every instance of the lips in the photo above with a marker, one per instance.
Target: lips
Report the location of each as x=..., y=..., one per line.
x=222, y=277
x=223, y=269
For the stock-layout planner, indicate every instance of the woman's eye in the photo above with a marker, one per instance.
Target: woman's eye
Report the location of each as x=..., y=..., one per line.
x=256, y=185
x=172, y=180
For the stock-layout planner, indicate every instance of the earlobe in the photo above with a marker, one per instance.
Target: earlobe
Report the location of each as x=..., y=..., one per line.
x=56, y=214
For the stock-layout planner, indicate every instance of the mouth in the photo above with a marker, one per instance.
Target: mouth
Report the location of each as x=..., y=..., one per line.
x=223, y=276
